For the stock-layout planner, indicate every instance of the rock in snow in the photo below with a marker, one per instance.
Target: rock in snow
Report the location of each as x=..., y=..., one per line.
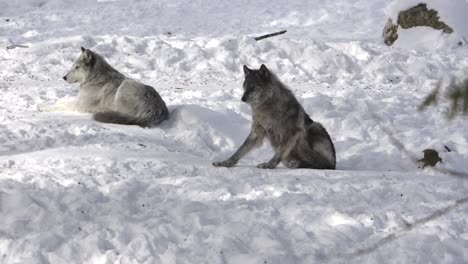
x=445, y=17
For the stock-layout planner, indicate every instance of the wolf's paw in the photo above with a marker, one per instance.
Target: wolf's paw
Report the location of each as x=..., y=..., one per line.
x=293, y=164
x=226, y=163
x=266, y=165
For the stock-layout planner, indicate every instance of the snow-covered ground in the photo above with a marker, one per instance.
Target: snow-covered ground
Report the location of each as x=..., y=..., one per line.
x=76, y=191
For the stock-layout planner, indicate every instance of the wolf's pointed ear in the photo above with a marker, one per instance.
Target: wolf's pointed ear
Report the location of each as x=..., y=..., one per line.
x=88, y=56
x=264, y=72
x=246, y=70
x=83, y=49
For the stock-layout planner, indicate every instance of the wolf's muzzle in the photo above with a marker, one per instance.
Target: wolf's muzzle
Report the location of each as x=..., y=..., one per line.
x=244, y=97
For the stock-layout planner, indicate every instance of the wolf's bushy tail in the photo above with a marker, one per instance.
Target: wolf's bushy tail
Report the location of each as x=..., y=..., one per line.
x=123, y=119
x=117, y=118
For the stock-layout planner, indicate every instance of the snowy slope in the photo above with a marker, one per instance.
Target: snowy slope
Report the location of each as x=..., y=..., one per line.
x=76, y=191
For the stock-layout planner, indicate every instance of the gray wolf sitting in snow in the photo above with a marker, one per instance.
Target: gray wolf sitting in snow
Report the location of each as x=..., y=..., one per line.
x=298, y=141
x=109, y=95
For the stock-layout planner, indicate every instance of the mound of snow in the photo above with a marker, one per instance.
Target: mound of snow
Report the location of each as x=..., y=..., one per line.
x=201, y=127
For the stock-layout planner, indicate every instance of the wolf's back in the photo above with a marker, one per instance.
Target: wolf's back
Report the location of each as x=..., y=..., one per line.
x=319, y=139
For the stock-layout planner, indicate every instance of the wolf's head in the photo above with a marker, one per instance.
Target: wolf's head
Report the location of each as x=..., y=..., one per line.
x=257, y=86
x=80, y=67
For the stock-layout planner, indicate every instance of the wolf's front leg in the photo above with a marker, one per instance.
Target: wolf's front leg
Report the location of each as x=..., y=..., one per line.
x=281, y=152
x=272, y=163
x=59, y=107
x=252, y=141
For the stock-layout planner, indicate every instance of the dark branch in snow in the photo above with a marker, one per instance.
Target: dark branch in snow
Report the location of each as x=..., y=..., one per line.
x=457, y=95
x=13, y=46
x=410, y=226
x=270, y=35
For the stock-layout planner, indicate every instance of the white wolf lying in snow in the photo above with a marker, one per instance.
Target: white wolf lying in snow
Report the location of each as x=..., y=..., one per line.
x=109, y=95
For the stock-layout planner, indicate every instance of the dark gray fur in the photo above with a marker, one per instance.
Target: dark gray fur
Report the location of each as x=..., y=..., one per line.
x=109, y=95
x=298, y=141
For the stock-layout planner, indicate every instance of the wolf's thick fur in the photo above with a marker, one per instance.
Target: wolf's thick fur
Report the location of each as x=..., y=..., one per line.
x=298, y=141
x=109, y=95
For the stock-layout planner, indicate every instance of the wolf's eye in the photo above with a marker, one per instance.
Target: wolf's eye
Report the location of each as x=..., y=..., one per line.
x=77, y=67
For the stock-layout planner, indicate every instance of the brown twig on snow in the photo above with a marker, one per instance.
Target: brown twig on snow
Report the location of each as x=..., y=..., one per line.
x=270, y=35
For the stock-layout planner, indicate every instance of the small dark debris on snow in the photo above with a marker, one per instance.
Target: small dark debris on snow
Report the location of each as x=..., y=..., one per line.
x=7, y=20
x=431, y=157
x=447, y=148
